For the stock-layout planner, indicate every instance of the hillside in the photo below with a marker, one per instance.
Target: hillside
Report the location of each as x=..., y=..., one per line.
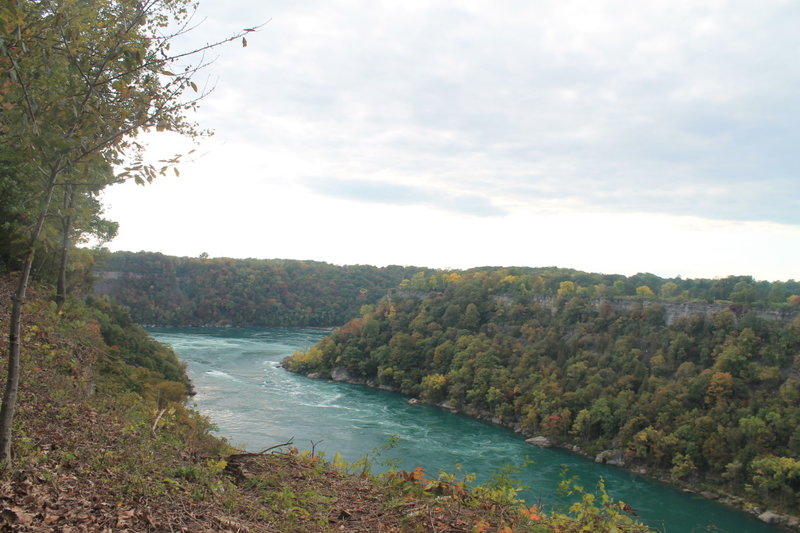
x=182, y=291
x=164, y=290
x=104, y=442
x=702, y=394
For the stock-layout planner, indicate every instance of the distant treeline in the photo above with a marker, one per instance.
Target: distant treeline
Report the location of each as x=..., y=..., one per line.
x=712, y=397
x=182, y=291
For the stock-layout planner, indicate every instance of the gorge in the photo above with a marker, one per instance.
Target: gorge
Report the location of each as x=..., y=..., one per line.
x=242, y=387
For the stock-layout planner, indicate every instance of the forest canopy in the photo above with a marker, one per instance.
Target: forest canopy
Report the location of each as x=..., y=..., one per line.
x=701, y=392
x=182, y=291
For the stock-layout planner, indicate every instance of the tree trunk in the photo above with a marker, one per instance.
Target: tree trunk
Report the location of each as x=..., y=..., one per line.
x=66, y=228
x=15, y=329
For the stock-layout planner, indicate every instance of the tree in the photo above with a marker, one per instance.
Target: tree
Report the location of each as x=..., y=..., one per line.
x=743, y=293
x=566, y=288
x=778, y=475
x=79, y=215
x=719, y=389
x=669, y=289
x=79, y=82
x=472, y=317
x=643, y=291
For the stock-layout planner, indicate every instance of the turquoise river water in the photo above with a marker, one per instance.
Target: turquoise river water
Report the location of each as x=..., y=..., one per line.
x=257, y=404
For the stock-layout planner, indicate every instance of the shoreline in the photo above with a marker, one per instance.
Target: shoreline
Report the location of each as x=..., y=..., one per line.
x=610, y=457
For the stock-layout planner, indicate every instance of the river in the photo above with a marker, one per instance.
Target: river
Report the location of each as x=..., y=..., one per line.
x=256, y=404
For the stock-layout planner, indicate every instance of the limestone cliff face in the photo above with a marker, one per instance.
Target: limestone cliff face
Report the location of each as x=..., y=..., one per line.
x=677, y=310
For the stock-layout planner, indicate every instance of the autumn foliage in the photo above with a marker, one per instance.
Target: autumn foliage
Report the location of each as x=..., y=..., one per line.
x=709, y=397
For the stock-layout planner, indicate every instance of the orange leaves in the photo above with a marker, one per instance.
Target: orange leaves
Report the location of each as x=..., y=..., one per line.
x=481, y=526
x=416, y=477
x=456, y=490
x=531, y=514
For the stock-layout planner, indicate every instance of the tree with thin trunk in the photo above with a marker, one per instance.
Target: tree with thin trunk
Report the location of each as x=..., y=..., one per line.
x=78, y=218
x=78, y=82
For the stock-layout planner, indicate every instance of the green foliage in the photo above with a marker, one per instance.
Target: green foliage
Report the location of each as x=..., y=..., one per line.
x=137, y=362
x=595, y=511
x=591, y=512
x=688, y=398
x=149, y=452
x=778, y=476
x=502, y=487
x=182, y=291
x=78, y=82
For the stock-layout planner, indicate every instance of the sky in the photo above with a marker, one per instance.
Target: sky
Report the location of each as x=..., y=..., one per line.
x=606, y=136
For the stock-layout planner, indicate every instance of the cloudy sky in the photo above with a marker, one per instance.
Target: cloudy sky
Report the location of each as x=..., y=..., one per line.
x=607, y=136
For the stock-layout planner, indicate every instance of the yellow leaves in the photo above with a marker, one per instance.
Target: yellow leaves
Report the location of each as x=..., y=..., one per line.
x=338, y=462
x=566, y=287
x=453, y=277
x=719, y=388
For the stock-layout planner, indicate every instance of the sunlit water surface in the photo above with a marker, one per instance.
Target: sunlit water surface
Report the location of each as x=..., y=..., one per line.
x=257, y=404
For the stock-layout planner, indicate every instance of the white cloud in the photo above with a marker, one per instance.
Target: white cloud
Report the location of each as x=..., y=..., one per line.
x=611, y=110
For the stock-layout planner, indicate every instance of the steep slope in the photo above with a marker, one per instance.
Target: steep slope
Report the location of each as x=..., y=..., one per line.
x=707, y=397
x=183, y=291
x=104, y=442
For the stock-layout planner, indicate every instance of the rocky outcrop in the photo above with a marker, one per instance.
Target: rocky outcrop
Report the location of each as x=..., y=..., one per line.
x=774, y=519
x=341, y=374
x=768, y=517
x=541, y=441
x=676, y=310
x=611, y=457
